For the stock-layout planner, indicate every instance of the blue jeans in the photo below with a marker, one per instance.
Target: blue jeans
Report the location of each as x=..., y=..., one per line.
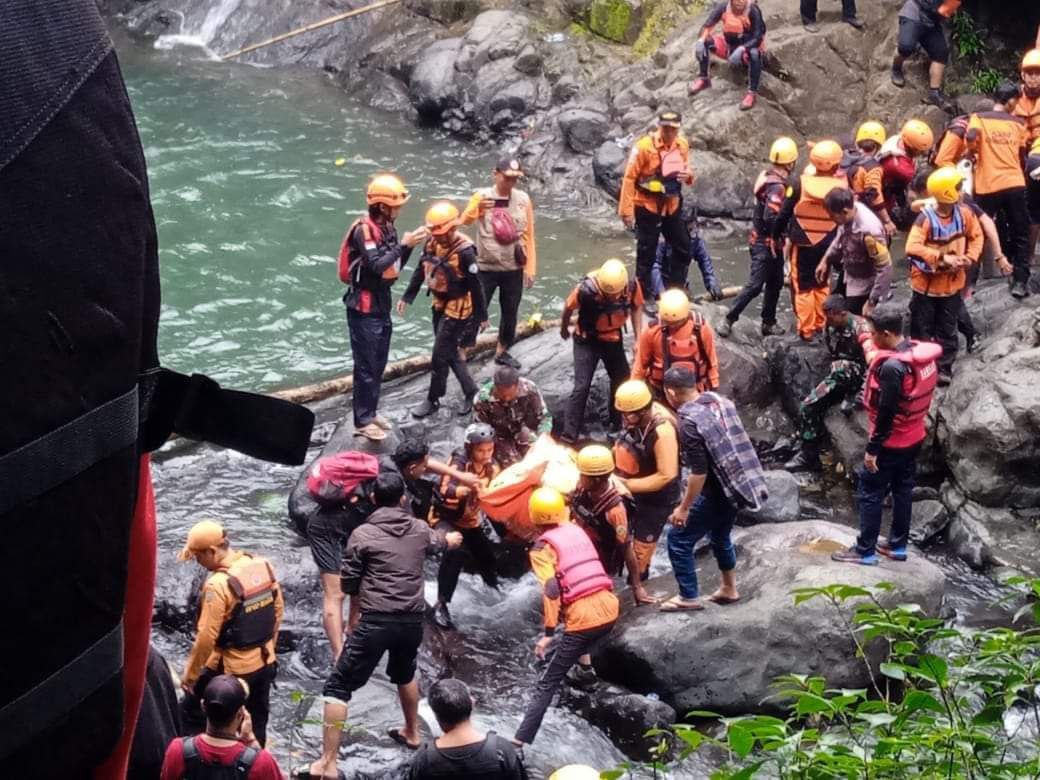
x=709, y=516
x=370, y=348
x=896, y=472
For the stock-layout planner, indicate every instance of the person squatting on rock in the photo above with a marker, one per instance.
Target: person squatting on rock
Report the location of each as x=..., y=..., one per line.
x=513, y=406
x=867, y=175
x=651, y=201
x=460, y=511
x=805, y=228
x=901, y=380
x=506, y=255
x=681, y=336
x=383, y=566
x=741, y=43
x=228, y=747
x=575, y=591
x=767, y=263
x=921, y=26
x=843, y=381
x=808, y=10
x=859, y=253
x=449, y=268
x=600, y=509
x=461, y=751
x=370, y=261
x=699, y=253
x=605, y=301
x=724, y=476
x=231, y=639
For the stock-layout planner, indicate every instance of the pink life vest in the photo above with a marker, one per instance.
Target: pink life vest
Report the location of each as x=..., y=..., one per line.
x=919, y=385
x=578, y=567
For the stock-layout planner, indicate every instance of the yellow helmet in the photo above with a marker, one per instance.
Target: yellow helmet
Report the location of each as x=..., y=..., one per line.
x=674, y=307
x=612, y=277
x=784, y=151
x=575, y=772
x=441, y=218
x=632, y=396
x=826, y=156
x=386, y=189
x=917, y=136
x=1036, y=147
x=871, y=131
x=547, y=507
x=1032, y=60
x=595, y=460
x=944, y=184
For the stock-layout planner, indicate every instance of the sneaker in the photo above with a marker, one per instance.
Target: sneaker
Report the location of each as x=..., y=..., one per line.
x=383, y=423
x=935, y=97
x=505, y=359
x=1019, y=290
x=466, y=407
x=853, y=22
x=372, y=432
x=811, y=27
x=715, y=292
x=699, y=85
x=806, y=459
x=852, y=556
x=425, y=409
x=772, y=329
x=898, y=78
x=442, y=617
x=725, y=328
x=892, y=553
x=748, y=102
x=582, y=676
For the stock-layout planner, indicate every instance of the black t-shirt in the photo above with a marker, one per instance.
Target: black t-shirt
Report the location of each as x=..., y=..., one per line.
x=492, y=759
x=695, y=456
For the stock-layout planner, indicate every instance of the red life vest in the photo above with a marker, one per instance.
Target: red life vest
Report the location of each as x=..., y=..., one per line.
x=350, y=261
x=773, y=200
x=578, y=567
x=687, y=351
x=919, y=385
x=252, y=620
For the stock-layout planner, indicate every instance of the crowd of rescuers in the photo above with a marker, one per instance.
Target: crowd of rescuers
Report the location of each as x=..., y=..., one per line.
x=678, y=456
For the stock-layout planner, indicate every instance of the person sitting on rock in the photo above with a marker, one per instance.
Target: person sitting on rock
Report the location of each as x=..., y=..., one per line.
x=599, y=508
x=449, y=268
x=901, y=379
x=698, y=251
x=859, y=252
x=741, y=43
x=843, y=336
x=460, y=511
x=867, y=176
x=605, y=301
x=680, y=337
x=576, y=591
x=767, y=263
x=513, y=406
x=921, y=26
x=899, y=155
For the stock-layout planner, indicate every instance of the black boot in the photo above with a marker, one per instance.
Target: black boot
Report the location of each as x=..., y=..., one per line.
x=466, y=407
x=425, y=409
x=442, y=617
x=806, y=459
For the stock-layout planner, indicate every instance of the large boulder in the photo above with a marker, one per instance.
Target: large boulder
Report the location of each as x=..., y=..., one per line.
x=583, y=128
x=714, y=660
x=432, y=81
x=989, y=537
x=783, y=505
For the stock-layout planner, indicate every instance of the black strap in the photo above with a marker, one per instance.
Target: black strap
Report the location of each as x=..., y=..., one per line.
x=245, y=760
x=44, y=463
x=67, y=688
x=189, y=751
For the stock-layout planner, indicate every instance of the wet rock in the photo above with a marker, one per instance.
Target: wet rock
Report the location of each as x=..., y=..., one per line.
x=583, y=128
x=445, y=11
x=624, y=716
x=432, y=81
x=566, y=88
x=784, y=503
x=987, y=537
x=713, y=659
x=930, y=519
x=608, y=166
x=528, y=61
x=616, y=20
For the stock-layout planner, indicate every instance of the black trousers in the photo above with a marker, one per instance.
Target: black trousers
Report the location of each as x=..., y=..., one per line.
x=935, y=319
x=475, y=546
x=510, y=286
x=848, y=10
x=1011, y=204
x=587, y=356
x=370, y=347
x=572, y=646
x=649, y=228
x=258, y=703
x=767, y=273
x=449, y=335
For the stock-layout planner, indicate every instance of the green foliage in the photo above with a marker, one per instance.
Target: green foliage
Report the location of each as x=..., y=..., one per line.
x=969, y=41
x=948, y=702
x=985, y=81
x=610, y=19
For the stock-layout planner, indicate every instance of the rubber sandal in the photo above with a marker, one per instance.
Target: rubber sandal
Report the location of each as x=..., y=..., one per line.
x=305, y=774
x=676, y=604
x=722, y=600
x=398, y=737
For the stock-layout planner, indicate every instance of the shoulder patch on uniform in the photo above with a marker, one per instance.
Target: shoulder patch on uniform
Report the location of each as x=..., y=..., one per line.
x=473, y=268
x=789, y=192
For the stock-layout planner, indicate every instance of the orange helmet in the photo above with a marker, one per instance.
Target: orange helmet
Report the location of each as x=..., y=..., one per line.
x=1032, y=60
x=388, y=190
x=826, y=156
x=917, y=136
x=441, y=218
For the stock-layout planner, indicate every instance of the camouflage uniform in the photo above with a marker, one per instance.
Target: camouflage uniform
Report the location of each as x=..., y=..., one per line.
x=517, y=423
x=843, y=381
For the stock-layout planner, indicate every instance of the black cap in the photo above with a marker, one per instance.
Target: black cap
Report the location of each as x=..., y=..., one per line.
x=681, y=377
x=224, y=696
x=835, y=303
x=669, y=119
x=510, y=166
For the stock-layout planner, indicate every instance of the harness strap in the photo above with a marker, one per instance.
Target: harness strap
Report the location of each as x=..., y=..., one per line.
x=245, y=760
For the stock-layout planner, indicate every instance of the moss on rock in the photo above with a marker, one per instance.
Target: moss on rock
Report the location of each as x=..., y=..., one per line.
x=616, y=20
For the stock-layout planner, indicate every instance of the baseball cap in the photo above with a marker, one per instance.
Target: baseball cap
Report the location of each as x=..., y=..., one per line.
x=669, y=119
x=202, y=536
x=223, y=697
x=510, y=166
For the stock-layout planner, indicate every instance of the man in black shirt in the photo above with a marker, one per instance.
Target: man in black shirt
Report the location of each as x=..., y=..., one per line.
x=462, y=751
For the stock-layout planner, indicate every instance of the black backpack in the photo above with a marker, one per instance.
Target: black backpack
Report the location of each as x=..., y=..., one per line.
x=195, y=768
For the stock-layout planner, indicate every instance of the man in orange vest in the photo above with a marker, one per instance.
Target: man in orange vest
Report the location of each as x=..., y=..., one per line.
x=232, y=639
x=743, y=33
x=681, y=337
x=1027, y=106
x=651, y=197
x=576, y=591
x=808, y=229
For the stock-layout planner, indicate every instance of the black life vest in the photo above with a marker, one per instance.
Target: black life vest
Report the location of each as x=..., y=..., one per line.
x=599, y=315
x=252, y=621
x=591, y=514
x=196, y=768
x=488, y=764
x=634, y=454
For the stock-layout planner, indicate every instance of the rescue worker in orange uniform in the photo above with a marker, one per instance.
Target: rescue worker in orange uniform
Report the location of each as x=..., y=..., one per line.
x=576, y=591
x=599, y=508
x=1027, y=106
x=866, y=176
x=646, y=456
x=945, y=241
x=605, y=301
x=898, y=157
x=240, y=610
x=999, y=141
x=680, y=337
x=449, y=268
x=743, y=34
x=809, y=230
x=370, y=260
x=952, y=146
x=767, y=264
x=651, y=197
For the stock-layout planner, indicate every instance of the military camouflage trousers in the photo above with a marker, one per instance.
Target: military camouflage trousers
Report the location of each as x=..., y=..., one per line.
x=843, y=382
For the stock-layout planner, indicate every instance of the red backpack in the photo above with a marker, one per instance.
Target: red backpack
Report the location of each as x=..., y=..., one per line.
x=332, y=479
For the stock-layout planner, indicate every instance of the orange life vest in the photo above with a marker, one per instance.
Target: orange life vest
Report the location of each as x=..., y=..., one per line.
x=252, y=621
x=1029, y=109
x=734, y=23
x=350, y=261
x=634, y=449
x=442, y=267
x=600, y=317
x=810, y=215
x=682, y=346
x=578, y=567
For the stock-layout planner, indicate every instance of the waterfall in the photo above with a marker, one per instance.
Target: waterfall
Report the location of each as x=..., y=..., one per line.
x=200, y=32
